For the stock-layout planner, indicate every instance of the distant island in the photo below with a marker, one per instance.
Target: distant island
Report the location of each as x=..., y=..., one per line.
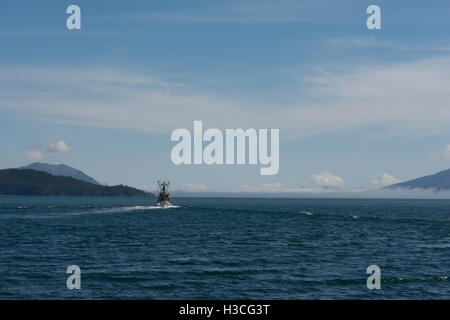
x=438, y=182
x=40, y=183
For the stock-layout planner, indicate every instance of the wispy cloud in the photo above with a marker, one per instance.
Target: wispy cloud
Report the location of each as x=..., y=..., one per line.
x=372, y=42
x=408, y=98
x=411, y=98
x=243, y=11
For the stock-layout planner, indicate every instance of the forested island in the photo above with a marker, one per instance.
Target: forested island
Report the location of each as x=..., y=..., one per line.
x=39, y=183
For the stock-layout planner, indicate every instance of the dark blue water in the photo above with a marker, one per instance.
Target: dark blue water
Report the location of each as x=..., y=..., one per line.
x=224, y=248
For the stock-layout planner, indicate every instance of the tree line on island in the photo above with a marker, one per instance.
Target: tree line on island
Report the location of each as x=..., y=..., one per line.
x=39, y=183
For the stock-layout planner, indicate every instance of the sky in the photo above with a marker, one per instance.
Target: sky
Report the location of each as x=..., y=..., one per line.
x=357, y=109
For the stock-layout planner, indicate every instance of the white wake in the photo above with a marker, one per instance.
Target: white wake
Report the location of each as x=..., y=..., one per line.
x=133, y=208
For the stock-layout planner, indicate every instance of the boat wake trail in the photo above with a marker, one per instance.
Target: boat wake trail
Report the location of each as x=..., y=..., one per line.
x=57, y=214
x=133, y=208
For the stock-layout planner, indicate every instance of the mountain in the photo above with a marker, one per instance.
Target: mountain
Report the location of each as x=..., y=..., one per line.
x=438, y=181
x=32, y=182
x=60, y=170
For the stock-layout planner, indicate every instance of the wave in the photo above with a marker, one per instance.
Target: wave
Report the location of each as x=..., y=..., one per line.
x=305, y=212
x=421, y=279
x=324, y=214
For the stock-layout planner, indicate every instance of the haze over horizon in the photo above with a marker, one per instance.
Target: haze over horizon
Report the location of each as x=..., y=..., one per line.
x=357, y=109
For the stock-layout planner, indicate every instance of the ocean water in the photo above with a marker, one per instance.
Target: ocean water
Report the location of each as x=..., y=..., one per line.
x=223, y=248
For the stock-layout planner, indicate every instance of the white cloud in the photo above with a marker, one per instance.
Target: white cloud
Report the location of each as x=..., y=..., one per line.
x=328, y=180
x=59, y=146
x=34, y=155
x=385, y=179
x=192, y=187
x=444, y=154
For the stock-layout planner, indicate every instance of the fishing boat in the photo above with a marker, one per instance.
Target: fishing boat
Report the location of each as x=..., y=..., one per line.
x=164, y=195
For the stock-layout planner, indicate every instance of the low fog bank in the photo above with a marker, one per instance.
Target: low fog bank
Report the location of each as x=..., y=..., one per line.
x=404, y=193
x=397, y=193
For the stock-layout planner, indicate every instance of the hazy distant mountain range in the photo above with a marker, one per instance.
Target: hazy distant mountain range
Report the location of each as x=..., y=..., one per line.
x=60, y=170
x=438, y=182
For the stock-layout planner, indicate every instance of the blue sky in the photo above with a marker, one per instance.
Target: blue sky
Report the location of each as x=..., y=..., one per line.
x=356, y=108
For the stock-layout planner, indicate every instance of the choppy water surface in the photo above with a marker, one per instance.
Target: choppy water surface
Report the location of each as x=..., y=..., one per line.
x=223, y=248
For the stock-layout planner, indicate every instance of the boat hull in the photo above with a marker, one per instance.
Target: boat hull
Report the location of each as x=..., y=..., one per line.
x=164, y=204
